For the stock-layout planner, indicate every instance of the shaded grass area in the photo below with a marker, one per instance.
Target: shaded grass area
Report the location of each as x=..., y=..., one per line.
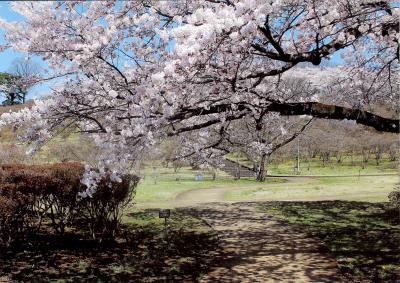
x=364, y=237
x=375, y=189
x=142, y=253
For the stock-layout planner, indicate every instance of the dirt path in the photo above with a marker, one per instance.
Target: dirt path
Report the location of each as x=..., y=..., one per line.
x=211, y=195
x=257, y=248
x=216, y=194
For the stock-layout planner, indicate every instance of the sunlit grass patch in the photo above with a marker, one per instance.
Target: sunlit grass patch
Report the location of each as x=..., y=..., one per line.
x=323, y=188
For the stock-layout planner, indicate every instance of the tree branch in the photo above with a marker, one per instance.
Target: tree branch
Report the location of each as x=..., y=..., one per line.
x=295, y=135
x=314, y=109
x=325, y=111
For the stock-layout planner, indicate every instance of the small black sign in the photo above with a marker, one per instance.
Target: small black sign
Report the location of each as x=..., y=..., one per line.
x=164, y=213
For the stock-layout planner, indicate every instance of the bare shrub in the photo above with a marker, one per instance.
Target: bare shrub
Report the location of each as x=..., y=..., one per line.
x=104, y=209
x=394, y=197
x=60, y=202
x=9, y=225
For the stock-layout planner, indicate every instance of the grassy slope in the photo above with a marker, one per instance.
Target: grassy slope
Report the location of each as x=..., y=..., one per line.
x=7, y=135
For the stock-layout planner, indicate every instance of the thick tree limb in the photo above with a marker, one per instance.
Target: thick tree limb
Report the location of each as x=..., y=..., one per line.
x=335, y=112
x=314, y=109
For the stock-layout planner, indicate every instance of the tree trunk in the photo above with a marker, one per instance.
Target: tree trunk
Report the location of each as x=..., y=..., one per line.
x=352, y=158
x=262, y=172
x=237, y=174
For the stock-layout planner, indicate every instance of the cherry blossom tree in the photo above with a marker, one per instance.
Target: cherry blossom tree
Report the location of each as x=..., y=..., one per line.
x=259, y=137
x=138, y=71
x=241, y=48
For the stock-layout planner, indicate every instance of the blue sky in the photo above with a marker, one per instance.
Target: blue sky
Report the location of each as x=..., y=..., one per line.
x=8, y=56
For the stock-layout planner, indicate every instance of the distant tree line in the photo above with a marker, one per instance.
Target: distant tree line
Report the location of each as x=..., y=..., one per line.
x=338, y=141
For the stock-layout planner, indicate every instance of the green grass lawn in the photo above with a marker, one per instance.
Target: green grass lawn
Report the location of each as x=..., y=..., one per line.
x=373, y=189
x=162, y=184
x=364, y=237
x=180, y=219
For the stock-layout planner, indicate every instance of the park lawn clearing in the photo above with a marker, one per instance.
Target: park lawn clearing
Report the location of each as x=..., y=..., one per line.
x=371, y=188
x=141, y=253
x=364, y=237
x=165, y=185
x=165, y=190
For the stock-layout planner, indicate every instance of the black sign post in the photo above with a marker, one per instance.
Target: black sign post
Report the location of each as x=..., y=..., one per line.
x=164, y=213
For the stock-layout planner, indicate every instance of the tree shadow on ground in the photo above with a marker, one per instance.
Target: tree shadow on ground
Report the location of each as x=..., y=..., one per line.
x=257, y=248
x=142, y=253
x=364, y=237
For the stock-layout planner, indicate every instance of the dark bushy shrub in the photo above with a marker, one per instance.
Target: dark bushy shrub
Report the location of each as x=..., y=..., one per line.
x=43, y=190
x=394, y=200
x=394, y=197
x=393, y=207
x=31, y=193
x=8, y=221
x=61, y=201
x=103, y=210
